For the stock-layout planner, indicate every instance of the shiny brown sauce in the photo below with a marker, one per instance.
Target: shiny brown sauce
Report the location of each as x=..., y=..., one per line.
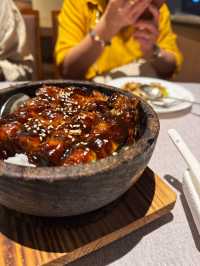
x=66, y=126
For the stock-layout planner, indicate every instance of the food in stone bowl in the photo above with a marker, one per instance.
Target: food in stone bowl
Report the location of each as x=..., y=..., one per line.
x=71, y=125
x=88, y=142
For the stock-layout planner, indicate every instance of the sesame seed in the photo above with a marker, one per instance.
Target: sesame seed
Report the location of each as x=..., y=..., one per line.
x=83, y=143
x=75, y=131
x=50, y=127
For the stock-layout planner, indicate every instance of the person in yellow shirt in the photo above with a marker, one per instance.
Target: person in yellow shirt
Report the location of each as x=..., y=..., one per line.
x=97, y=36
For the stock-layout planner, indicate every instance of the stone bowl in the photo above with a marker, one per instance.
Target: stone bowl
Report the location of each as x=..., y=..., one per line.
x=74, y=190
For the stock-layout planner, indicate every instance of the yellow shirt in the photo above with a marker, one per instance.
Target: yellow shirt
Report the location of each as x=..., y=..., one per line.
x=76, y=19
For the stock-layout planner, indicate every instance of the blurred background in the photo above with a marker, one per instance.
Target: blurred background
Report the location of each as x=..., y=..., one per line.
x=185, y=19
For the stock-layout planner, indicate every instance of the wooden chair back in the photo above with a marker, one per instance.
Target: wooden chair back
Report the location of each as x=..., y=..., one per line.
x=189, y=43
x=54, y=16
x=31, y=18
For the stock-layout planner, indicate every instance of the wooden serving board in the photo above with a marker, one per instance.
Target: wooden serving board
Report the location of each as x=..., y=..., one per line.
x=33, y=241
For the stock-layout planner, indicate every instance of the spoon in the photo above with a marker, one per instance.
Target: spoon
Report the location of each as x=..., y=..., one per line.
x=13, y=103
x=155, y=96
x=152, y=93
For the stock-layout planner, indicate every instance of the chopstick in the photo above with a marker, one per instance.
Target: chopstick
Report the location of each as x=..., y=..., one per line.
x=191, y=177
x=192, y=196
x=187, y=155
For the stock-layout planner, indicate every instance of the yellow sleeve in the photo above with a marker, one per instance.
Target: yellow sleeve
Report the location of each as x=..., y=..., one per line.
x=71, y=28
x=167, y=39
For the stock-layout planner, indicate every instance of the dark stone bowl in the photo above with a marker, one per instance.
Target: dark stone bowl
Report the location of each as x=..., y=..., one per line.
x=74, y=190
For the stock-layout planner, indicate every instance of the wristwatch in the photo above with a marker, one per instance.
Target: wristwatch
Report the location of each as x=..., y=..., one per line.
x=95, y=37
x=157, y=52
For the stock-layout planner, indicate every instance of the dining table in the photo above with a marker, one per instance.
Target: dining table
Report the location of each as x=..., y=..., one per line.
x=173, y=239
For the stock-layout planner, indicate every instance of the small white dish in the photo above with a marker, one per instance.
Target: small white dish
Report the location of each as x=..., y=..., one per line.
x=174, y=90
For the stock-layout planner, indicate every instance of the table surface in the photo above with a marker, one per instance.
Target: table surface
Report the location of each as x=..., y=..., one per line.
x=173, y=239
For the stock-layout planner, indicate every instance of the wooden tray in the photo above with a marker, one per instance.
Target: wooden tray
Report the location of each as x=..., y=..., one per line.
x=31, y=241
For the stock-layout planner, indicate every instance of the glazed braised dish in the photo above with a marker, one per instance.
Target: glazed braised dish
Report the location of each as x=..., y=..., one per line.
x=142, y=90
x=66, y=126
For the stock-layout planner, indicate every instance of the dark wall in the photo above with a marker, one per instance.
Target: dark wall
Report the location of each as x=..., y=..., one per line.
x=184, y=6
x=174, y=5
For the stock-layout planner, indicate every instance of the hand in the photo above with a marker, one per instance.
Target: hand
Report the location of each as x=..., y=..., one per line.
x=147, y=32
x=119, y=14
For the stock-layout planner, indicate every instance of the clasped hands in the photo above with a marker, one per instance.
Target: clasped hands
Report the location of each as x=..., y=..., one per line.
x=123, y=13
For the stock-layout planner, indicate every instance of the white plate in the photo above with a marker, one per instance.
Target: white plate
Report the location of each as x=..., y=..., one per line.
x=173, y=89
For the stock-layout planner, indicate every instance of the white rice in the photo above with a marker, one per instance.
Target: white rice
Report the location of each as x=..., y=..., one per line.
x=19, y=159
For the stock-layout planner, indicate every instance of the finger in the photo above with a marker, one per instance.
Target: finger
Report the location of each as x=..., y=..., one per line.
x=131, y=5
x=121, y=2
x=151, y=38
x=117, y=3
x=124, y=6
x=144, y=46
x=142, y=35
x=139, y=7
x=156, y=14
x=128, y=5
x=143, y=25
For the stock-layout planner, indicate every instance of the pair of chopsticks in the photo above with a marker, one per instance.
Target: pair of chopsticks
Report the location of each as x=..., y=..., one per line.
x=191, y=178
